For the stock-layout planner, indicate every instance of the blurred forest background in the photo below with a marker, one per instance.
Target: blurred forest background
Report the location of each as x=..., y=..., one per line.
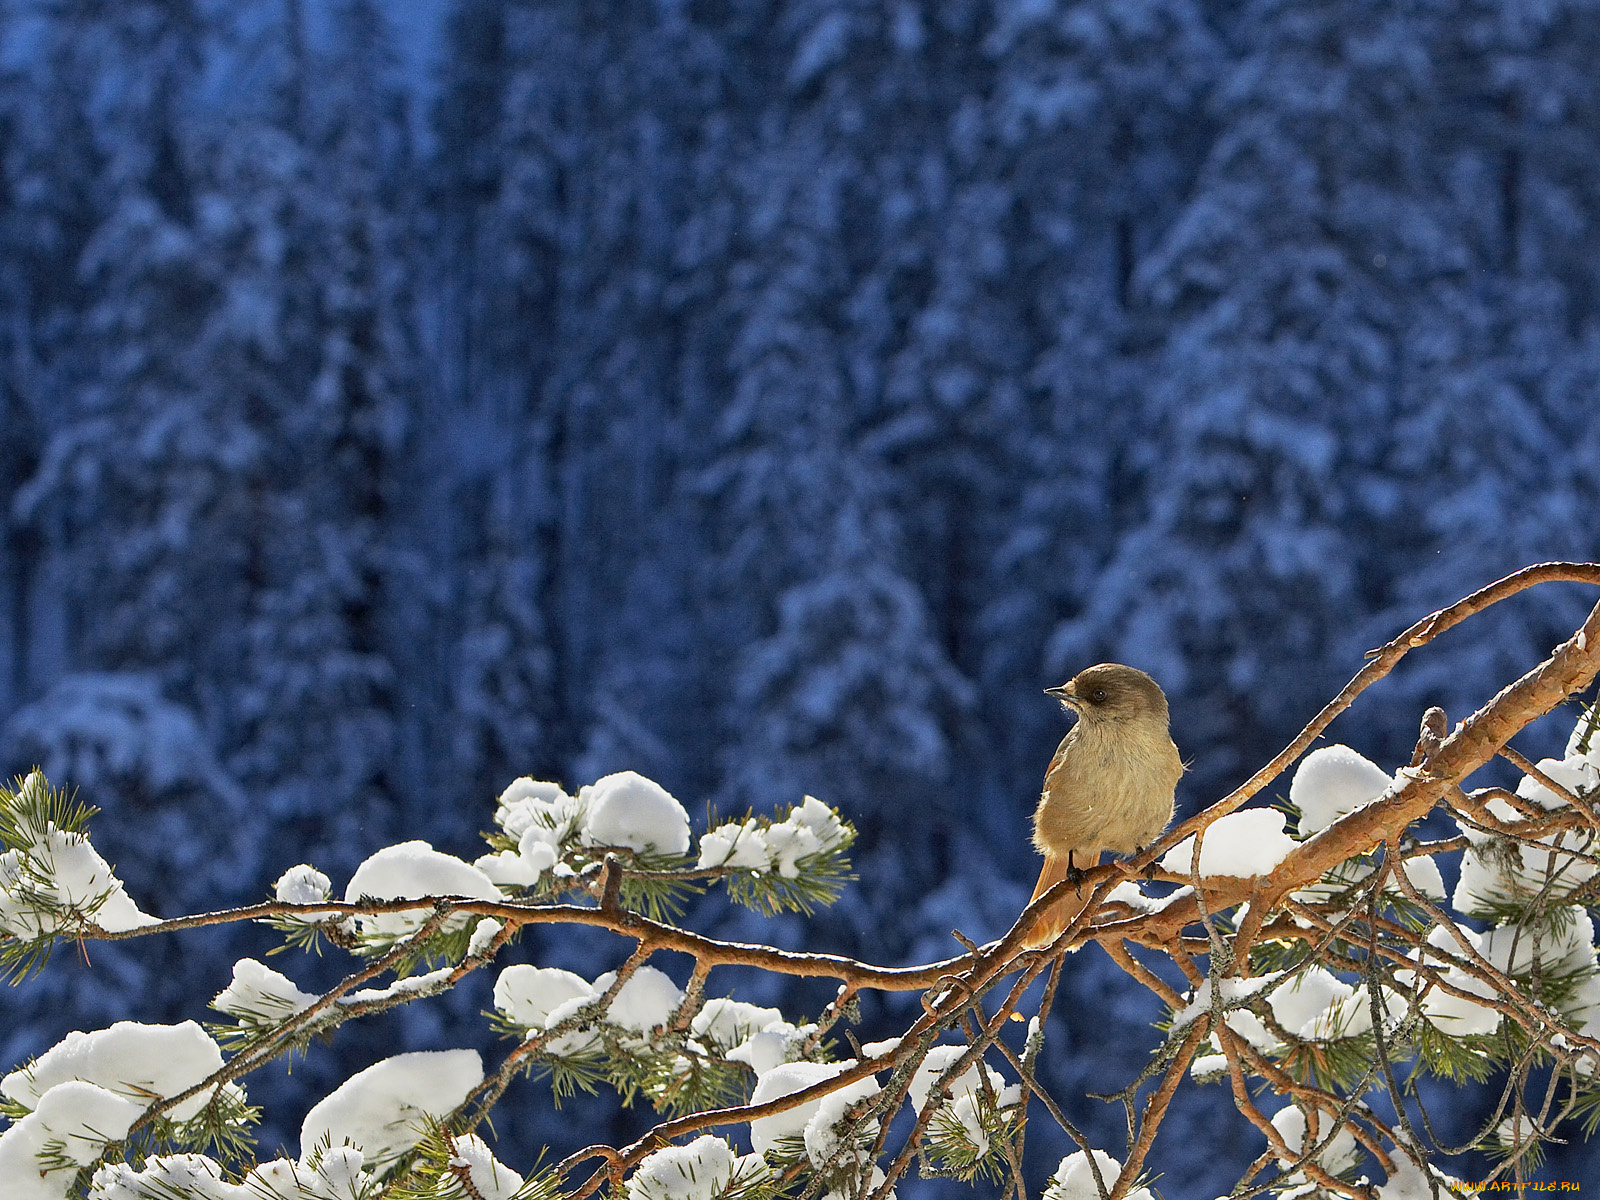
x=768, y=396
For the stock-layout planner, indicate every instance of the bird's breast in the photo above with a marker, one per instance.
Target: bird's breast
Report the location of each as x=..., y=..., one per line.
x=1108, y=788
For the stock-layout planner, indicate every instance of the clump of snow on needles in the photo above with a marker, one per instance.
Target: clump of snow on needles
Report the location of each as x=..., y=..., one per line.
x=139, y=1062
x=633, y=812
x=528, y=996
x=1341, y=1153
x=303, y=884
x=60, y=871
x=749, y=1033
x=89, y=1089
x=541, y=816
x=646, y=1001
x=260, y=993
x=382, y=1110
x=1495, y=871
x=332, y=1174
x=1313, y=1005
x=1242, y=844
x=738, y=844
x=784, y=1080
x=1331, y=782
x=810, y=828
x=409, y=871
x=1407, y=1182
x=624, y=810
x=73, y=1119
x=1074, y=1178
x=165, y=1175
x=965, y=1090
x=490, y=1178
x=540, y=998
x=698, y=1171
x=336, y=1174
x=825, y=1133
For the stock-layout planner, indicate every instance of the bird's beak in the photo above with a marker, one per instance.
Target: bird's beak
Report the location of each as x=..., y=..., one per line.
x=1064, y=693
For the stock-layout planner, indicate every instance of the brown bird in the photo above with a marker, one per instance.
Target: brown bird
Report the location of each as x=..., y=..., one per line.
x=1109, y=787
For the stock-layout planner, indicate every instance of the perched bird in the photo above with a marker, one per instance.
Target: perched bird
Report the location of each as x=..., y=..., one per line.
x=1109, y=787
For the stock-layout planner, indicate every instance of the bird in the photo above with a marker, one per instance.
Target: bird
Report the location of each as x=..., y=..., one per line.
x=1110, y=786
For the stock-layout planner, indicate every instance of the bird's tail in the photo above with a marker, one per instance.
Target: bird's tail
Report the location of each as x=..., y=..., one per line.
x=1050, y=923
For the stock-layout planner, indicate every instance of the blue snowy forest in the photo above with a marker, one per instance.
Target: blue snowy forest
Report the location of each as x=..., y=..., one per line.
x=770, y=396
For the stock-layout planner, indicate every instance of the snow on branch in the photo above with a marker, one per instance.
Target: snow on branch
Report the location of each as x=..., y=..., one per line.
x=1311, y=962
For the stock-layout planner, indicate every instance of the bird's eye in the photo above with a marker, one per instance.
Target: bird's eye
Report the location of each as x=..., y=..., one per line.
x=1098, y=695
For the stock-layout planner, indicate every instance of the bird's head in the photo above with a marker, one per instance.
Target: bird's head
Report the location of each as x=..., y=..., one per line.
x=1112, y=692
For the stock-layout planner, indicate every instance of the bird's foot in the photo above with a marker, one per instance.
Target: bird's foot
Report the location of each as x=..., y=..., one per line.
x=1073, y=875
x=1150, y=868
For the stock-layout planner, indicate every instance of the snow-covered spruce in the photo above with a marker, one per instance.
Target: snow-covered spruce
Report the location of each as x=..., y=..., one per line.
x=488, y=1177
x=811, y=828
x=549, y=840
x=624, y=811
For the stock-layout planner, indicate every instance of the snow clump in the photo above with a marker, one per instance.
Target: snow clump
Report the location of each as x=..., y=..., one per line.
x=635, y=813
x=490, y=1178
x=303, y=884
x=784, y=1080
x=648, y=1000
x=139, y=1062
x=1407, y=1182
x=1242, y=844
x=260, y=995
x=701, y=1170
x=337, y=1174
x=1331, y=782
x=1495, y=872
x=1313, y=1006
x=759, y=1037
x=1341, y=1153
x=737, y=844
x=528, y=996
x=165, y=1175
x=89, y=1089
x=824, y=1135
x=410, y=871
x=624, y=810
x=966, y=1092
x=540, y=816
x=383, y=1110
x=59, y=880
x=540, y=998
x=811, y=828
x=1074, y=1178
